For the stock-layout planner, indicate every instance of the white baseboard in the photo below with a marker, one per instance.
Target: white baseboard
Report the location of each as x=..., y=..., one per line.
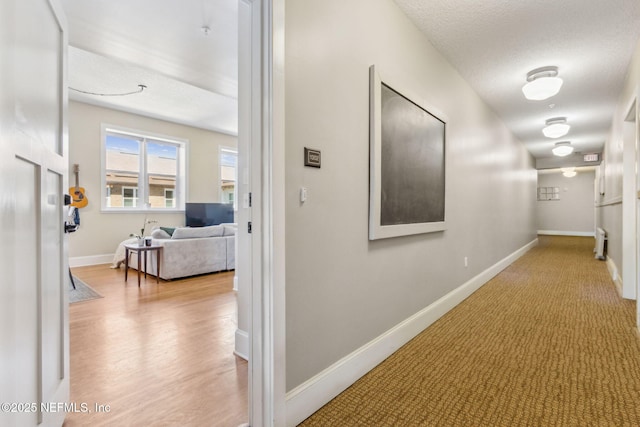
x=242, y=344
x=567, y=233
x=316, y=392
x=613, y=271
x=82, y=261
x=235, y=282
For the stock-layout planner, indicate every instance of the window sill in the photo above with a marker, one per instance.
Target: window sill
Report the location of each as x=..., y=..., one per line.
x=141, y=210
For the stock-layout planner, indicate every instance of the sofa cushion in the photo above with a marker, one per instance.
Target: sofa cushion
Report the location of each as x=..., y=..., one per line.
x=159, y=233
x=197, y=232
x=229, y=230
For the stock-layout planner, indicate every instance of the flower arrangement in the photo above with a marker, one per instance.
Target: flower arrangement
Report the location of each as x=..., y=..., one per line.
x=144, y=228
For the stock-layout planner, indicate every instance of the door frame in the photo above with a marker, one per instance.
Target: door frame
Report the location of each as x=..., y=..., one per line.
x=631, y=141
x=629, y=138
x=264, y=120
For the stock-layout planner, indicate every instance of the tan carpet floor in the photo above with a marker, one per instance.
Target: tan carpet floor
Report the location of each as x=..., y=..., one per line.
x=547, y=342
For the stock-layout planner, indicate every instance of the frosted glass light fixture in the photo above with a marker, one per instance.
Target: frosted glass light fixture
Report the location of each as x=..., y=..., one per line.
x=556, y=127
x=562, y=148
x=542, y=83
x=569, y=172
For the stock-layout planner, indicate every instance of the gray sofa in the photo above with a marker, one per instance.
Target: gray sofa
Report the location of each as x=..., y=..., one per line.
x=190, y=251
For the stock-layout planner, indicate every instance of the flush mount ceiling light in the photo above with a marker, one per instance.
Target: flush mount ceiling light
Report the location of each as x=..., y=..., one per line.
x=556, y=127
x=569, y=172
x=562, y=148
x=542, y=83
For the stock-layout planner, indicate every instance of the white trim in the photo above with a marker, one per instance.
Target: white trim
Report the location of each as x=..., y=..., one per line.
x=264, y=123
x=143, y=210
x=567, y=233
x=613, y=272
x=617, y=200
x=629, y=260
x=261, y=117
x=242, y=344
x=277, y=257
x=636, y=120
x=137, y=133
x=376, y=229
x=82, y=261
x=310, y=396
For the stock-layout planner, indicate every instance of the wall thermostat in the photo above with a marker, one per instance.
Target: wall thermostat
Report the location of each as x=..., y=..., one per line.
x=311, y=157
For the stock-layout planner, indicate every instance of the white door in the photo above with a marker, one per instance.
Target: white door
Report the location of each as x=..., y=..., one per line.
x=34, y=338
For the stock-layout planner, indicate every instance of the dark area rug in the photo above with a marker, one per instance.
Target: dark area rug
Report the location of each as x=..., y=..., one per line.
x=82, y=292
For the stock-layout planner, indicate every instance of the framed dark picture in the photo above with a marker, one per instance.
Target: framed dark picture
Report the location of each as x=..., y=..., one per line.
x=407, y=163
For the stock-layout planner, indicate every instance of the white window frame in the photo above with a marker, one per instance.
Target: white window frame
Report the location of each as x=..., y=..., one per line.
x=107, y=195
x=182, y=176
x=172, y=198
x=233, y=150
x=136, y=196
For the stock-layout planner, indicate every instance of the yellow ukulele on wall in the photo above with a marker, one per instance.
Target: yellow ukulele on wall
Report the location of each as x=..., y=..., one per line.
x=77, y=193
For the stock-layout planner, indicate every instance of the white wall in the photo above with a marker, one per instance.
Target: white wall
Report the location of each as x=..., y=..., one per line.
x=574, y=213
x=342, y=290
x=610, y=208
x=100, y=233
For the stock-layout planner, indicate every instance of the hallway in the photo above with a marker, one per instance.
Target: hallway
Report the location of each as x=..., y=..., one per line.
x=546, y=342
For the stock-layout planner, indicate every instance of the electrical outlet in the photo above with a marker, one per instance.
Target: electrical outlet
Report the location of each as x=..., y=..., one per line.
x=466, y=261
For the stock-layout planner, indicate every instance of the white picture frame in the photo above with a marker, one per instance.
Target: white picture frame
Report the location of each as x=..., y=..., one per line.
x=407, y=163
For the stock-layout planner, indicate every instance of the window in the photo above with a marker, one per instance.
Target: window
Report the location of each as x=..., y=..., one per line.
x=548, y=193
x=142, y=171
x=169, y=201
x=108, y=196
x=228, y=174
x=130, y=196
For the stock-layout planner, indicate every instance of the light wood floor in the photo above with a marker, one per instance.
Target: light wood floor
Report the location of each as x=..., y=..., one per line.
x=158, y=355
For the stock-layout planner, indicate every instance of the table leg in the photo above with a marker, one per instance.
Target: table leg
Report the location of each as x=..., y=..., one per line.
x=158, y=265
x=145, y=264
x=139, y=265
x=71, y=278
x=126, y=263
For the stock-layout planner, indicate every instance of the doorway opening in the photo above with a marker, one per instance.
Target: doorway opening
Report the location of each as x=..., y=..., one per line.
x=207, y=397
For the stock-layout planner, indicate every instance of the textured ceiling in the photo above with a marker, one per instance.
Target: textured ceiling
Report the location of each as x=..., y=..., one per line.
x=494, y=44
x=192, y=77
